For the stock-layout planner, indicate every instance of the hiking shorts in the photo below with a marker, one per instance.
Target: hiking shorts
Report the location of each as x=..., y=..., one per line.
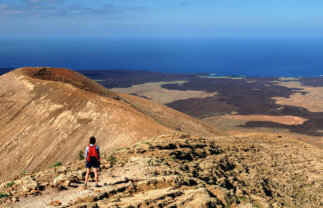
x=92, y=163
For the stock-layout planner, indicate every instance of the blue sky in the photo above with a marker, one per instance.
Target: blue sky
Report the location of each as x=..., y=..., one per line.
x=160, y=18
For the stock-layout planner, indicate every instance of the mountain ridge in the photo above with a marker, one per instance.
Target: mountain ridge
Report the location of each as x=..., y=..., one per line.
x=48, y=115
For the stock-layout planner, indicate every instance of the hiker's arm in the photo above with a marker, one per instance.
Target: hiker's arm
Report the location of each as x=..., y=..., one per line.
x=98, y=152
x=86, y=152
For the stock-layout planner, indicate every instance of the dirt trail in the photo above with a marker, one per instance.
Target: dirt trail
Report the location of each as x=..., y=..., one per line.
x=247, y=170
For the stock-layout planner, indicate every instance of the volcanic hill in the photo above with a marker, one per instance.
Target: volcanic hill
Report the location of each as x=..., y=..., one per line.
x=48, y=114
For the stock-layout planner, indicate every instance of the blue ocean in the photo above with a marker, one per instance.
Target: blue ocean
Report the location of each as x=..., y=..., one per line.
x=220, y=56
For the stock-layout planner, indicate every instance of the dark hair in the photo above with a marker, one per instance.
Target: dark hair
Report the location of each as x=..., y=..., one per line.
x=92, y=140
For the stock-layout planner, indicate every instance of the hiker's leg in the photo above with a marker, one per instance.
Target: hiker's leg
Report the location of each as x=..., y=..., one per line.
x=96, y=175
x=87, y=175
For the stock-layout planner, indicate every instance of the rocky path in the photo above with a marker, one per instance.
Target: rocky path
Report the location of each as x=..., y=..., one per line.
x=251, y=170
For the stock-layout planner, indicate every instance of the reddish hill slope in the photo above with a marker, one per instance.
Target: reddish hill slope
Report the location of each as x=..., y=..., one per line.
x=48, y=114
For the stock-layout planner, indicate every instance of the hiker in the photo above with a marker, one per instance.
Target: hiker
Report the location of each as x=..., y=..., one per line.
x=92, y=159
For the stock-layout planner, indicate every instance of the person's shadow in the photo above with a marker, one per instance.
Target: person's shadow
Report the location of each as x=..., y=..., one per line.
x=92, y=176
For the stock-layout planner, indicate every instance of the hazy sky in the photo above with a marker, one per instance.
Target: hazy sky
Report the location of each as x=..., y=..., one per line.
x=160, y=18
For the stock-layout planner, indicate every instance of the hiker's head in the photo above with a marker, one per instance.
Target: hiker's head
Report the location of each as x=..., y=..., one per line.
x=92, y=140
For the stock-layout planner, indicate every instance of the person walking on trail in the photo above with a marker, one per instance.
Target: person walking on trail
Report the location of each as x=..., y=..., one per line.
x=92, y=159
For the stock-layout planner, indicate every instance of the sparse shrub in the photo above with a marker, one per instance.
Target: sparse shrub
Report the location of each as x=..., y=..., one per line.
x=23, y=173
x=227, y=205
x=255, y=205
x=104, y=154
x=242, y=199
x=3, y=195
x=9, y=184
x=146, y=142
x=81, y=155
x=118, y=149
x=112, y=159
x=56, y=164
x=174, y=157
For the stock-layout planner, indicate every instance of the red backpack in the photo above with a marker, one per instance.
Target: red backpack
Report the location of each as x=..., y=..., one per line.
x=92, y=153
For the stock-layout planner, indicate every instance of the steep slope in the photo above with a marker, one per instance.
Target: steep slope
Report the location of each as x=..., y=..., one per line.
x=48, y=115
x=244, y=171
x=168, y=117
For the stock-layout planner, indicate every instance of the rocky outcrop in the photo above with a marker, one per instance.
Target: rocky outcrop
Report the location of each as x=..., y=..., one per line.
x=251, y=170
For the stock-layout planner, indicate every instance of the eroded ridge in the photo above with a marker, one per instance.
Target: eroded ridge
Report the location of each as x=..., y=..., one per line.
x=68, y=76
x=254, y=170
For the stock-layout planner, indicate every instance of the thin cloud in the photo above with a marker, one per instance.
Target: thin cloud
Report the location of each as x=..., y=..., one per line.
x=37, y=1
x=61, y=9
x=183, y=3
x=3, y=6
x=41, y=8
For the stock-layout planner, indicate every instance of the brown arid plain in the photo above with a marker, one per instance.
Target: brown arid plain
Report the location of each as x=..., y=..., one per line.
x=226, y=117
x=155, y=156
x=155, y=92
x=307, y=97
